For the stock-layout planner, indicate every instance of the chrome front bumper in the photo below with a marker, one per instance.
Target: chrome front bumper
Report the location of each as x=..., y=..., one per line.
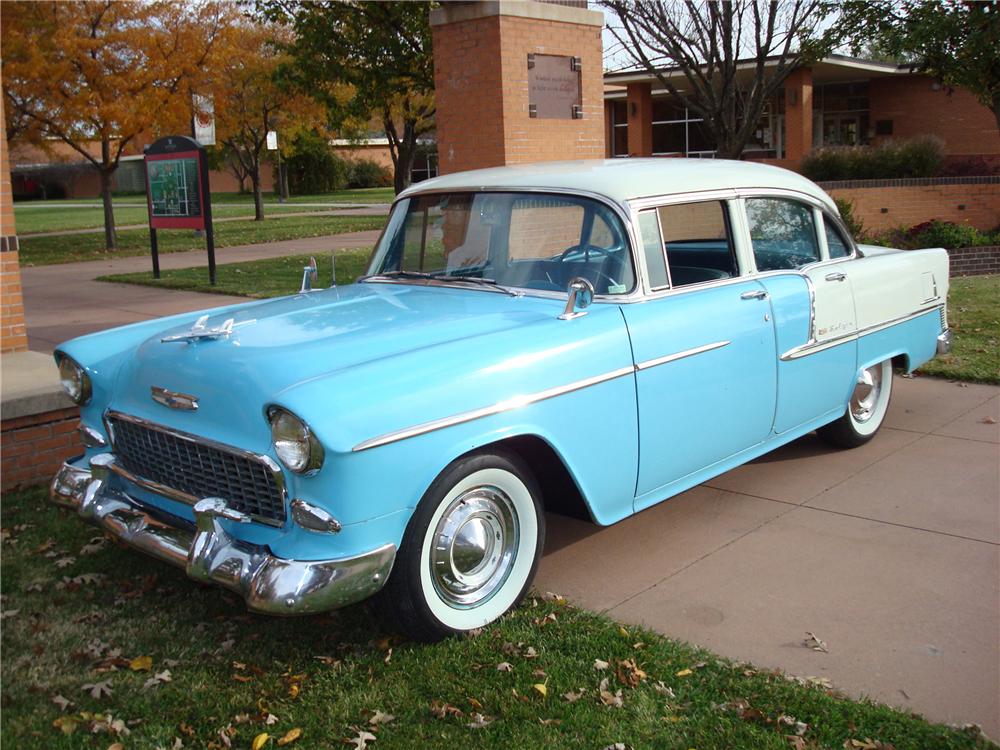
x=209, y=554
x=944, y=341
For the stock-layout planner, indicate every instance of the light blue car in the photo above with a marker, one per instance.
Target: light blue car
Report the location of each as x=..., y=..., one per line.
x=589, y=336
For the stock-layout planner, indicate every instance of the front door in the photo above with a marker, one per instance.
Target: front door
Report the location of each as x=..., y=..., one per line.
x=704, y=350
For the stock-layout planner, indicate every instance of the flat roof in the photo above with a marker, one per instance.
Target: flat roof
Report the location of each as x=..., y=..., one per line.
x=621, y=180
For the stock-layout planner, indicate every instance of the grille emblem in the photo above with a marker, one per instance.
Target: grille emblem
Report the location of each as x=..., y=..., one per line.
x=173, y=399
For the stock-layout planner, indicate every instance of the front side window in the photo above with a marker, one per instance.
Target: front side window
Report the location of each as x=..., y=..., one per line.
x=782, y=232
x=696, y=238
x=526, y=240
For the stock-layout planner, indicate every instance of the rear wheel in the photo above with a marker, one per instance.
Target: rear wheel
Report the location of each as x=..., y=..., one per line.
x=470, y=550
x=866, y=410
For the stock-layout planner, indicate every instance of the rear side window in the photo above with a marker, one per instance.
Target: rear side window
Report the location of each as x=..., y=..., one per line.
x=697, y=241
x=838, y=246
x=783, y=233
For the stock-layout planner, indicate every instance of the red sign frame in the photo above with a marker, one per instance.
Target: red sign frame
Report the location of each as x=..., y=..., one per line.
x=178, y=222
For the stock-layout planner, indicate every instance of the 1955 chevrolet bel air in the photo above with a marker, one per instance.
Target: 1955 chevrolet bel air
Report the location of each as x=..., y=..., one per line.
x=606, y=334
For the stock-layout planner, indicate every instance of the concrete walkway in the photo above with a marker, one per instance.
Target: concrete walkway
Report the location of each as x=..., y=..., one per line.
x=63, y=301
x=889, y=553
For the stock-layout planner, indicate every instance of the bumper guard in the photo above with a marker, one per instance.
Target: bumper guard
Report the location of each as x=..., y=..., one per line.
x=268, y=584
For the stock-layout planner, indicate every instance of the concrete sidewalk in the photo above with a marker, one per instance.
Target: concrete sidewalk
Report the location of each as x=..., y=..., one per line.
x=63, y=301
x=890, y=553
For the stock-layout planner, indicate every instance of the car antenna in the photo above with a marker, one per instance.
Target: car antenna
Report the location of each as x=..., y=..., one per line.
x=333, y=269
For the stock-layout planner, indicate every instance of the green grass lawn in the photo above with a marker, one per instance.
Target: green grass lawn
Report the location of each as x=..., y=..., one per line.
x=55, y=216
x=103, y=645
x=68, y=248
x=260, y=278
x=974, y=318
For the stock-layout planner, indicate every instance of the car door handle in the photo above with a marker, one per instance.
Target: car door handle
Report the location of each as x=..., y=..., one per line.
x=836, y=276
x=759, y=294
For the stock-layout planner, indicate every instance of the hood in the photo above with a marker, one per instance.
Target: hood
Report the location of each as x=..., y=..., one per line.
x=276, y=344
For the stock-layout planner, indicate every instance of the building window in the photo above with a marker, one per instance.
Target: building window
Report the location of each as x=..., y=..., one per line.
x=619, y=128
x=678, y=132
x=425, y=166
x=841, y=114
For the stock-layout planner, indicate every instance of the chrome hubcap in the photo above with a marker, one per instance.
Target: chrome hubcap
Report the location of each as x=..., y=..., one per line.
x=473, y=546
x=866, y=393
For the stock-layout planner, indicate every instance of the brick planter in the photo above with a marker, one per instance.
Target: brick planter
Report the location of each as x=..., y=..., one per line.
x=34, y=446
x=975, y=261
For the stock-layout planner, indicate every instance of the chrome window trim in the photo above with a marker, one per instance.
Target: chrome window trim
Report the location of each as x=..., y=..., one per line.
x=680, y=355
x=620, y=210
x=273, y=466
x=515, y=402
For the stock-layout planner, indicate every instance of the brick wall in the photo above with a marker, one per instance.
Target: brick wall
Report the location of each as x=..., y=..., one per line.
x=481, y=84
x=974, y=261
x=917, y=108
x=885, y=204
x=34, y=447
x=13, y=332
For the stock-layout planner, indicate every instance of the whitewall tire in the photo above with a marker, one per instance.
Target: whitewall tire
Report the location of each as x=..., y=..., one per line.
x=470, y=550
x=866, y=409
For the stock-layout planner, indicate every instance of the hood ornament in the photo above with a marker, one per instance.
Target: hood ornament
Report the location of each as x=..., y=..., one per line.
x=200, y=331
x=173, y=399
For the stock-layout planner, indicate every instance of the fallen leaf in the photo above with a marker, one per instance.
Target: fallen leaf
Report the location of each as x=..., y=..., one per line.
x=362, y=739
x=116, y=746
x=63, y=703
x=157, y=679
x=98, y=690
x=141, y=664
x=541, y=688
x=259, y=741
x=629, y=673
x=293, y=690
x=664, y=689
x=475, y=703
x=988, y=420
x=530, y=653
x=600, y=664
x=614, y=700
x=617, y=746
x=539, y=673
x=9, y=613
x=505, y=666
x=622, y=632
x=548, y=596
x=290, y=736
x=685, y=673
x=550, y=722
x=66, y=724
x=442, y=710
x=813, y=642
x=65, y=562
x=243, y=678
x=380, y=718
x=479, y=721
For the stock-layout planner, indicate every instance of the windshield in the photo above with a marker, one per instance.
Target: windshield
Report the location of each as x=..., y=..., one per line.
x=525, y=240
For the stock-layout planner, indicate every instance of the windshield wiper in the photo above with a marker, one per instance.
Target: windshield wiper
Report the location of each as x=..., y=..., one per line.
x=490, y=284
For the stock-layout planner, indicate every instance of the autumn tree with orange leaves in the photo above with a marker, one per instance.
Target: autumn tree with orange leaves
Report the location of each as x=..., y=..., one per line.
x=106, y=73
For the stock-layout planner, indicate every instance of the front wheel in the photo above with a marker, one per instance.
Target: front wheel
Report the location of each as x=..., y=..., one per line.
x=470, y=550
x=866, y=410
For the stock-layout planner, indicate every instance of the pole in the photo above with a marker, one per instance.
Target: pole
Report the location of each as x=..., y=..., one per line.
x=207, y=209
x=281, y=181
x=156, y=253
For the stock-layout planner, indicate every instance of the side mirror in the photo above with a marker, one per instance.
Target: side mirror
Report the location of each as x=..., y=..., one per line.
x=309, y=276
x=581, y=295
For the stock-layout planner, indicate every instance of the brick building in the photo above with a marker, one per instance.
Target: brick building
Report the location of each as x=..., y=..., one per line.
x=837, y=101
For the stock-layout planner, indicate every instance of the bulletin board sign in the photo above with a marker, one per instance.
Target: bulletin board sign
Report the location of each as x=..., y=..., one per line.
x=176, y=184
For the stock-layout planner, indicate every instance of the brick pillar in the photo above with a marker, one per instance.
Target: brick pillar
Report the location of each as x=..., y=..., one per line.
x=798, y=115
x=13, y=333
x=640, y=119
x=481, y=83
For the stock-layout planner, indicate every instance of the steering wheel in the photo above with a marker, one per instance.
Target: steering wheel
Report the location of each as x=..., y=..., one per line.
x=587, y=249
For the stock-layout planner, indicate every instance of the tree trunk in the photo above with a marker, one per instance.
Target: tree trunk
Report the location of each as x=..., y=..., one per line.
x=407, y=150
x=996, y=109
x=258, y=201
x=109, y=213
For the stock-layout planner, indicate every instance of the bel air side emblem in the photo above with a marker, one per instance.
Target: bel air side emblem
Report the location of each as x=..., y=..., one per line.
x=173, y=399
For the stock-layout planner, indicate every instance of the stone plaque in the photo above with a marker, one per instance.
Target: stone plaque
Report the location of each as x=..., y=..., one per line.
x=554, y=87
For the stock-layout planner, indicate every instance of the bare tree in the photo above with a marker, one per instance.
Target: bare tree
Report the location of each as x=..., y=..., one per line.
x=734, y=56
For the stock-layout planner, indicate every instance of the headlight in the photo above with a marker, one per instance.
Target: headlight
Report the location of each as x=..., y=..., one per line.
x=75, y=381
x=294, y=442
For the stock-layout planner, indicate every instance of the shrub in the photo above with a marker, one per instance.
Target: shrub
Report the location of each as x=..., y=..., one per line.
x=313, y=167
x=365, y=173
x=969, y=166
x=854, y=225
x=919, y=157
x=937, y=233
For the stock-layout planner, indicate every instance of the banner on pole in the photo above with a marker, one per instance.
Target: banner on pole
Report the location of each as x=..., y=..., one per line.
x=204, y=119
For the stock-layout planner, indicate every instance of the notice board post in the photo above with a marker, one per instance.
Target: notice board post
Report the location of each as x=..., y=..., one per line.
x=177, y=193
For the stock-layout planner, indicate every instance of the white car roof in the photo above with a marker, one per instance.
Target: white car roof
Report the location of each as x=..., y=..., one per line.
x=625, y=179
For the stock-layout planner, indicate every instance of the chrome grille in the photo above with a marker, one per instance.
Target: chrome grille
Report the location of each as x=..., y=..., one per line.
x=944, y=318
x=197, y=468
